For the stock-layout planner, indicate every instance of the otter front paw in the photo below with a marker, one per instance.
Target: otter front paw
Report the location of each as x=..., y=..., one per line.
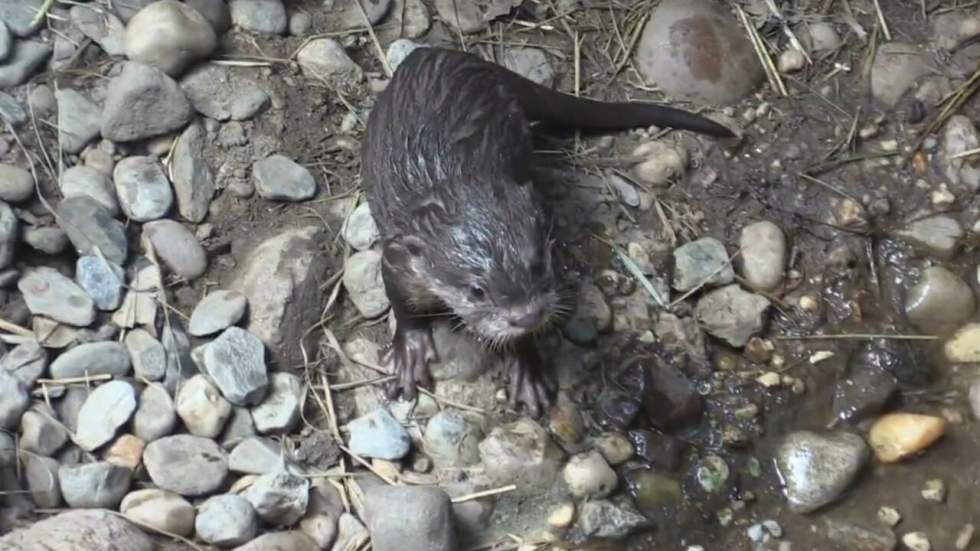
x=407, y=360
x=529, y=385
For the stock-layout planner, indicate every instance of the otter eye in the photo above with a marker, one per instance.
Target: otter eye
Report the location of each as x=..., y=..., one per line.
x=476, y=292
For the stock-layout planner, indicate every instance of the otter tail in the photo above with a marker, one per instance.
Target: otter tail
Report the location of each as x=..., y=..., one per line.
x=564, y=110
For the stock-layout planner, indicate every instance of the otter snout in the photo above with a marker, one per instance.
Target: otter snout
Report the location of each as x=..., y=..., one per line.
x=529, y=319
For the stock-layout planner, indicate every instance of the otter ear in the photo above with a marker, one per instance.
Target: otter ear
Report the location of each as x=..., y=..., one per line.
x=408, y=245
x=427, y=212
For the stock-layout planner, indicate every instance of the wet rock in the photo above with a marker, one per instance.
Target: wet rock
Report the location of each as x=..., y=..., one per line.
x=170, y=36
x=18, y=16
x=405, y=517
x=324, y=59
x=521, y=453
x=362, y=279
x=279, y=411
x=379, y=435
x=142, y=187
x=48, y=293
x=96, y=358
x=236, y=362
x=48, y=240
x=279, y=498
x=156, y=416
x=606, y=520
x=259, y=16
x=41, y=433
x=103, y=27
x=964, y=345
x=658, y=163
x=615, y=448
x=865, y=387
x=695, y=50
x=148, y=355
x=107, y=408
x=653, y=492
x=589, y=476
x=79, y=120
x=859, y=538
x=616, y=410
x=90, y=225
x=219, y=93
x=592, y=316
x=895, y=69
x=896, y=436
x=41, y=478
x=732, y=314
x=193, y=179
x=763, y=258
x=218, y=311
x=293, y=540
x=959, y=136
x=16, y=184
x=143, y=102
x=817, y=468
x=466, y=17
x=669, y=398
x=177, y=248
x=27, y=361
x=201, y=407
x=322, y=515
x=82, y=180
x=713, y=474
x=102, y=280
x=99, y=485
x=279, y=178
x=256, y=456
x=86, y=530
x=185, y=464
x=530, y=63
x=226, y=521
x=359, y=229
x=451, y=441
x=940, y=301
x=695, y=262
x=160, y=509
x=28, y=56
x=398, y=50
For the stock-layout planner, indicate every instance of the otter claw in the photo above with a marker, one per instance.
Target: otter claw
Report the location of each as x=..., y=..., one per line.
x=407, y=360
x=529, y=386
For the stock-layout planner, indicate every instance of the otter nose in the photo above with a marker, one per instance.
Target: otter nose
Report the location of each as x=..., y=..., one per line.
x=528, y=319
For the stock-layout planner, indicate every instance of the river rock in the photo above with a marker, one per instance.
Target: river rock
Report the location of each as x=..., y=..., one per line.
x=940, y=301
x=201, y=407
x=817, y=468
x=324, y=59
x=219, y=93
x=226, y=521
x=279, y=178
x=218, y=311
x=821, y=37
x=177, y=248
x=466, y=16
x=28, y=56
x=102, y=280
x=293, y=540
x=47, y=239
x=359, y=229
x=865, y=386
x=351, y=534
x=279, y=498
x=259, y=16
x=193, y=178
x=589, y=476
x=79, y=119
x=322, y=514
x=185, y=464
x=256, y=456
x=16, y=184
x=95, y=358
x=126, y=451
x=99, y=485
x=27, y=361
x=896, y=436
x=107, y=408
x=170, y=36
x=379, y=435
x=90, y=225
x=530, y=63
x=148, y=355
x=82, y=180
x=697, y=51
x=280, y=410
x=48, y=293
x=897, y=66
x=763, y=258
x=670, y=399
x=362, y=279
x=964, y=345
x=216, y=12
x=41, y=480
x=411, y=17
x=959, y=136
x=8, y=235
x=102, y=26
x=451, y=441
x=858, y=537
x=142, y=187
x=41, y=433
x=160, y=509
x=236, y=362
x=521, y=453
x=19, y=15
x=695, y=262
x=732, y=314
x=602, y=519
x=238, y=428
x=84, y=530
x=143, y=102
x=156, y=416
x=406, y=517
x=398, y=50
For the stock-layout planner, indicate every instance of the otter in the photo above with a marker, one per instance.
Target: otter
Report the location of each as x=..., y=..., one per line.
x=446, y=167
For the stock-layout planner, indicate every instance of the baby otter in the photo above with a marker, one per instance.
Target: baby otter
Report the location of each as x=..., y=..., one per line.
x=446, y=166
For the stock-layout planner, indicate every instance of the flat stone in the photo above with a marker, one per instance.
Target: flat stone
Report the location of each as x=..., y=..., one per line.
x=92, y=359
x=193, y=178
x=817, y=468
x=160, y=509
x=362, y=279
x=236, y=362
x=18, y=15
x=107, y=408
x=293, y=540
x=324, y=59
x=704, y=261
x=695, y=50
x=177, y=248
x=47, y=239
x=156, y=416
x=964, y=345
x=79, y=120
x=41, y=478
x=451, y=441
x=100, y=485
x=279, y=498
x=170, y=36
x=103, y=27
x=256, y=456
x=279, y=412
x=48, y=293
x=259, y=16
x=27, y=362
x=218, y=311
x=16, y=184
x=89, y=225
x=83, y=180
x=226, y=520
x=521, y=453
x=202, y=408
x=143, y=102
x=279, y=178
x=140, y=308
x=41, y=433
x=897, y=66
x=85, y=530
x=360, y=230
x=28, y=56
x=763, y=258
x=936, y=235
x=732, y=314
x=143, y=188
x=102, y=280
x=219, y=93
x=185, y=464
x=379, y=435
x=410, y=517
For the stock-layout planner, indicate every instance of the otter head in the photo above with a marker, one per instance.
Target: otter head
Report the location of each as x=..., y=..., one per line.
x=484, y=250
